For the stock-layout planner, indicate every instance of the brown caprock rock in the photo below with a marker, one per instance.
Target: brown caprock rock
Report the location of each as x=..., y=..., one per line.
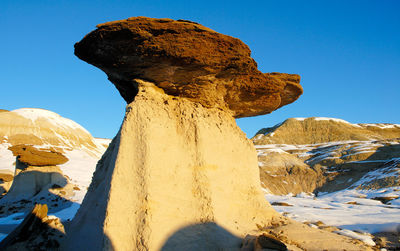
x=188, y=60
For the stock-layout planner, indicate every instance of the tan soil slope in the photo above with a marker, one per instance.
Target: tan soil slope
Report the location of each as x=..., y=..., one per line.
x=320, y=130
x=283, y=173
x=41, y=127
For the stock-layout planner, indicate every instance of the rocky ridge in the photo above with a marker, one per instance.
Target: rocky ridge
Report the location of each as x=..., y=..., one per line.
x=314, y=130
x=333, y=155
x=341, y=177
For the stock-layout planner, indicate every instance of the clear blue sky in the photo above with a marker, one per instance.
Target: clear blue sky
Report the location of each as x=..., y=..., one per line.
x=347, y=53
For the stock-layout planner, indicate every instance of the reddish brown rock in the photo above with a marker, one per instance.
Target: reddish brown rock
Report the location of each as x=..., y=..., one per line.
x=38, y=157
x=187, y=60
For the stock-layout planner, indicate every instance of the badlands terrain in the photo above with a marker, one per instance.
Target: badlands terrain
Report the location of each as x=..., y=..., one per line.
x=44, y=158
x=347, y=185
x=180, y=174
x=333, y=174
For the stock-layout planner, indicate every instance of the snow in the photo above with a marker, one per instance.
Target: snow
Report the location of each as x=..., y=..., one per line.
x=271, y=150
x=12, y=219
x=382, y=125
x=67, y=213
x=79, y=170
x=36, y=114
x=102, y=141
x=7, y=159
x=335, y=120
x=362, y=237
x=367, y=215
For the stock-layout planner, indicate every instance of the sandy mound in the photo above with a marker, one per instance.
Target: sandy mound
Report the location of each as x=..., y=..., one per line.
x=41, y=127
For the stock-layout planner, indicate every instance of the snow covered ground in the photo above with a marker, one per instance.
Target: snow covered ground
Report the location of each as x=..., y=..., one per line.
x=78, y=169
x=355, y=212
x=369, y=205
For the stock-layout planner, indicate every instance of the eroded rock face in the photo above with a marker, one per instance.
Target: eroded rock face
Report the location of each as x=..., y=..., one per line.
x=178, y=176
x=188, y=60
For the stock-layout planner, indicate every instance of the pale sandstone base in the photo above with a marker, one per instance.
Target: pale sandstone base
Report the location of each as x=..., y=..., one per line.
x=182, y=177
x=177, y=176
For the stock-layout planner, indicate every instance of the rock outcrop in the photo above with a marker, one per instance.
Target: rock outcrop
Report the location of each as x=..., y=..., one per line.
x=179, y=162
x=314, y=130
x=327, y=154
x=44, y=158
x=38, y=157
x=173, y=164
x=188, y=60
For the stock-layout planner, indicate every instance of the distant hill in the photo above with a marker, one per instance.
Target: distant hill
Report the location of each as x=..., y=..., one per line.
x=44, y=158
x=326, y=154
x=319, y=130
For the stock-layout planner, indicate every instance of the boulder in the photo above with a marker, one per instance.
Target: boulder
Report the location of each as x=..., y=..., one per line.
x=33, y=156
x=188, y=60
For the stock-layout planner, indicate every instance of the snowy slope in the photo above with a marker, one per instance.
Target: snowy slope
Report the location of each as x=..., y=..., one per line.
x=44, y=129
x=357, y=182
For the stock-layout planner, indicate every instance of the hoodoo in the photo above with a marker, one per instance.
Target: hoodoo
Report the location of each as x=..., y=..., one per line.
x=180, y=174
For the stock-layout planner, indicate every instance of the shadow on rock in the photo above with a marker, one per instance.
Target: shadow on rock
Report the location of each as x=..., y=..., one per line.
x=205, y=236
x=36, y=232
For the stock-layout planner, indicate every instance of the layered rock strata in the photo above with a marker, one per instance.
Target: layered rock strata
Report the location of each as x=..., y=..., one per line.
x=33, y=126
x=327, y=154
x=315, y=130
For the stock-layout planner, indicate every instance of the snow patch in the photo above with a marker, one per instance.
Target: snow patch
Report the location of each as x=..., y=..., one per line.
x=367, y=239
x=37, y=114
